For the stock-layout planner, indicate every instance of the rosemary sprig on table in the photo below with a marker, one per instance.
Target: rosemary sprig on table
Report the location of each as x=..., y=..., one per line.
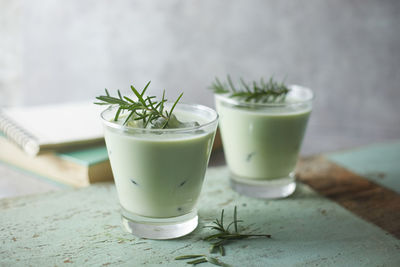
x=200, y=258
x=218, y=240
x=271, y=91
x=224, y=235
x=145, y=108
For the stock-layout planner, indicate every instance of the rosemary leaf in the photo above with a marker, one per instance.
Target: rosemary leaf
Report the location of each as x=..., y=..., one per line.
x=221, y=250
x=186, y=257
x=215, y=261
x=145, y=88
x=202, y=260
x=211, y=237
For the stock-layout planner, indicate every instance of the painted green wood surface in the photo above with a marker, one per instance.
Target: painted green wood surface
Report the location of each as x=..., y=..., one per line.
x=379, y=163
x=82, y=228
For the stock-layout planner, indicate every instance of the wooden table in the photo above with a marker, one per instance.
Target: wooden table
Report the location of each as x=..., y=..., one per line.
x=344, y=212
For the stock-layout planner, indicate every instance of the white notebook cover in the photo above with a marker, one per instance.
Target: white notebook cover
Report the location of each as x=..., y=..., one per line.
x=52, y=125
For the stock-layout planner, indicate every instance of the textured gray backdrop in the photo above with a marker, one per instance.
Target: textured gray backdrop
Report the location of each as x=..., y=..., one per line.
x=348, y=52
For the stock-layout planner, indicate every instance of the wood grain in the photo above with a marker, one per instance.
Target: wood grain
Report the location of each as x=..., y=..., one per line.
x=217, y=145
x=374, y=203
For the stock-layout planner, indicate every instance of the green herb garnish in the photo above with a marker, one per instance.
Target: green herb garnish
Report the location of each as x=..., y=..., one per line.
x=271, y=91
x=224, y=235
x=219, y=239
x=145, y=108
x=197, y=259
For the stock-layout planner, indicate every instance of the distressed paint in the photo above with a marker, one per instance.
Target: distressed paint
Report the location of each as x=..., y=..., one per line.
x=379, y=163
x=82, y=227
x=376, y=204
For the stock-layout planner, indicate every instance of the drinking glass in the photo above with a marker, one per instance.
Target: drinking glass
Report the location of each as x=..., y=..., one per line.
x=262, y=141
x=159, y=173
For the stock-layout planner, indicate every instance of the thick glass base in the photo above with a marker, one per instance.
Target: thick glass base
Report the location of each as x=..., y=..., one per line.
x=275, y=188
x=159, y=228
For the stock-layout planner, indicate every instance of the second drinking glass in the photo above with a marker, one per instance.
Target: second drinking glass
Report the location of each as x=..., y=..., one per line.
x=262, y=141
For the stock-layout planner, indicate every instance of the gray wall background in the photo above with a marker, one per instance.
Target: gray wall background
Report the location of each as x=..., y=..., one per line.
x=347, y=51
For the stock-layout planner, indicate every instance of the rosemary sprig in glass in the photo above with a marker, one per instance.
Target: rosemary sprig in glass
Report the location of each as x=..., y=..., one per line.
x=145, y=108
x=263, y=92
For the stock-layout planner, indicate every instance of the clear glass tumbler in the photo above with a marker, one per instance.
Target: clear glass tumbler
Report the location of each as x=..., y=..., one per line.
x=262, y=141
x=159, y=173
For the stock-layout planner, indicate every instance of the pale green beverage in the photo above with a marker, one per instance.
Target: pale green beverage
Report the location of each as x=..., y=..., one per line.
x=262, y=141
x=159, y=173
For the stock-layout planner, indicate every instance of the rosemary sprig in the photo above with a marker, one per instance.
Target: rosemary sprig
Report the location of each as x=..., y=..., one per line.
x=271, y=91
x=224, y=235
x=197, y=259
x=219, y=239
x=145, y=108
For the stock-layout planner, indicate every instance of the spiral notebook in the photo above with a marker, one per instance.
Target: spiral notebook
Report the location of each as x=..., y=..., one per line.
x=52, y=127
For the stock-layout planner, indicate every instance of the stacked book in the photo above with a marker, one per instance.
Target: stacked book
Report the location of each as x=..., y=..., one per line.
x=62, y=142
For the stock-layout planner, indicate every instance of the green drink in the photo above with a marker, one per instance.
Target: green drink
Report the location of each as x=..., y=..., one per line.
x=159, y=175
x=159, y=171
x=262, y=141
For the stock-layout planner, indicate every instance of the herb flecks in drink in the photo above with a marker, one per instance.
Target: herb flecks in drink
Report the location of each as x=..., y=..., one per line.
x=250, y=156
x=263, y=92
x=145, y=111
x=219, y=239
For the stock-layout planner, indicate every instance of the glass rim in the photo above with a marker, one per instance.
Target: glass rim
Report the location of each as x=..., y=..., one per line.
x=115, y=125
x=239, y=102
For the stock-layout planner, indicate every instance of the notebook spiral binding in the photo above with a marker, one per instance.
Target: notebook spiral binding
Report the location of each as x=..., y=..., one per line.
x=18, y=135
